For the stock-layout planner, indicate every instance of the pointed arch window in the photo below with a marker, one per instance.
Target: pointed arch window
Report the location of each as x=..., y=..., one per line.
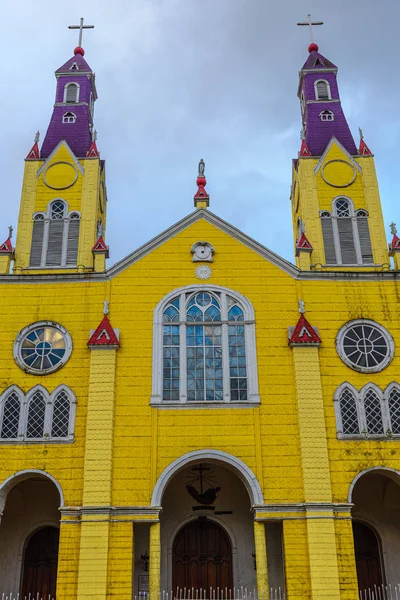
x=55, y=237
x=38, y=415
x=322, y=90
x=369, y=412
x=204, y=347
x=69, y=117
x=346, y=234
x=71, y=93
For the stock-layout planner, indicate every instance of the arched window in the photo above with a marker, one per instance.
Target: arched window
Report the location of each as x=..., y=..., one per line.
x=327, y=115
x=61, y=415
x=393, y=397
x=36, y=413
x=322, y=90
x=373, y=412
x=346, y=234
x=71, y=93
x=348, y=414
x=69, y=117
x=55, y=237
x=204, y=348
x=10, y=415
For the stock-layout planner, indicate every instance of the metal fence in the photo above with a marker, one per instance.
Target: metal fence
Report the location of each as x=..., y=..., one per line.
x=382, y=592
x=240, y=593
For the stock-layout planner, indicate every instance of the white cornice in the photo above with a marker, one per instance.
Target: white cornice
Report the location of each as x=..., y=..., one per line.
x=334, y=140
x=51, y=156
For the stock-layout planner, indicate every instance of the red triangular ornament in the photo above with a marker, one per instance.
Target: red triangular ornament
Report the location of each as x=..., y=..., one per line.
x=93, y=152
x=303, y=245
x=104, y=335
x=364, y=150
x=395, y=245
x=6, y=247
x=100, y=245
x=303, y=333
x=304, y=151
x=34, y=152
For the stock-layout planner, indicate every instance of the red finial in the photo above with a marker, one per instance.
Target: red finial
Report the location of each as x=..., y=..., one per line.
x=79, y=50
x=313, y=47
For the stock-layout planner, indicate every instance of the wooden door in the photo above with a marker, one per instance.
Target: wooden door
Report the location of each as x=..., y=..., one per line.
x=202, y=558
x=40, y=564
x=368, y=556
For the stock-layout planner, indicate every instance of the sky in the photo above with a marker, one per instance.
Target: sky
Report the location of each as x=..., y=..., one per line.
x=180, y=80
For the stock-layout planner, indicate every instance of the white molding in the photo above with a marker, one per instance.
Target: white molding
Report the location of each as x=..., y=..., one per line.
x=391, y=473
x=67, y=85
x=384, y=332
x=13, y=480
x=328, y=87
x=334, y=140
x=54, y=152
x=250, y=345
x=26, y=330
x=231, y=462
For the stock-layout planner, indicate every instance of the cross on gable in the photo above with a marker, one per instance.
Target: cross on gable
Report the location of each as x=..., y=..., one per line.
x=81, y=27
x=310, y=25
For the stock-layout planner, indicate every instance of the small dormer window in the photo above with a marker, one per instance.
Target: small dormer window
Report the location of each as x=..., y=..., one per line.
x=74, y=67
x=322, y=90
x=69, y=117
x=71, y=93
x=327, y=115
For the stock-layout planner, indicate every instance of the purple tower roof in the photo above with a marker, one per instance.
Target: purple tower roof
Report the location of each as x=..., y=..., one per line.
x=321, y=107
x=72, y=118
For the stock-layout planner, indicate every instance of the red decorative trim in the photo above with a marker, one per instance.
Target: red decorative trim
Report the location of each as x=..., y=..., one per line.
x=34, y=152
x=364, y=150
x=201, y=193
x=395, y=245
x=104, y=335
x=304, y=151
x=303, y=245
x=100, y=247
x=6, y=247
x=93, y=152
x=304, y=333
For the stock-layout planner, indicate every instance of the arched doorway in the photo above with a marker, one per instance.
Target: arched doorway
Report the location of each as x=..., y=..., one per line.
x=368, y=556
x=202, y=557
x=40, y=564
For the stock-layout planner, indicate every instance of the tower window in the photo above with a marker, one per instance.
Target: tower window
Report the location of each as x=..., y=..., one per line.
x=322, y=90
x=74, y=67
x=55, y=237
x=346, y=235
x=327, y=115
x=71, y=92
x=69, y=117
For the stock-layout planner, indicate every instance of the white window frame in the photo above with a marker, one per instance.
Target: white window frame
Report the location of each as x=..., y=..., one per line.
x=25, y=331
x=384, y=332
x=325, y=112
x=48, y=417
x=250, y=345
x=47, y=218
x=70, y=114
x=328, y=87
x=359, y=396
x=356, y=238
x=66, y=90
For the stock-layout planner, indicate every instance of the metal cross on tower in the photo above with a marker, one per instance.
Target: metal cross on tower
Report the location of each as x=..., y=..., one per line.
x=310, y=24
x=81, y=27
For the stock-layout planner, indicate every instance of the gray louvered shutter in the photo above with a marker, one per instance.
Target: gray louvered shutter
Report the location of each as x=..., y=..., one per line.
x=329, y=245
x=345, y=228
x=73, y=239
x=37, y=243
x=365, y=240
x=322, y=91
x=72, y=93
x=54, y=246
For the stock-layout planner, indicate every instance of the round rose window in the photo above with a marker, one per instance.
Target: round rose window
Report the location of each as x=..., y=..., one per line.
x=365, y=346
x=42, y=348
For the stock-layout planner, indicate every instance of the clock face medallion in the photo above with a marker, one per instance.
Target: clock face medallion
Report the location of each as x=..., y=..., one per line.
x=203, y=272
x=202, y=252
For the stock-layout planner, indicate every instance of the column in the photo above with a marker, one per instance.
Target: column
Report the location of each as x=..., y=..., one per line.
x=96, y=534
x=120, y=560
x=346, y=557
x=322, y=553
x=261, y=559
x=68, y=558
x=297, y=566
x=155, y=561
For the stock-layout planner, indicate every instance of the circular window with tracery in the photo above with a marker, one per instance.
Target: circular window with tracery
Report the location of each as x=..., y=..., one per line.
x=42, y=348
x=365, y=346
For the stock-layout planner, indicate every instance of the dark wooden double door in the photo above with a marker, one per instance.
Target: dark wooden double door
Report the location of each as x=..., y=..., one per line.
x=40, y=564
x=368, y=557
x=202, y=558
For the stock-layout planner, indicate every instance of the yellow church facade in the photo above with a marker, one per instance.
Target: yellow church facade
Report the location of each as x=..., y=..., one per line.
x=203, y=418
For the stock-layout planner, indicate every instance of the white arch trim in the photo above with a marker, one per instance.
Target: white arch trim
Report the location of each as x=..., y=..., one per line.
x=16, y=478
x=391, y=473
x=231, y=462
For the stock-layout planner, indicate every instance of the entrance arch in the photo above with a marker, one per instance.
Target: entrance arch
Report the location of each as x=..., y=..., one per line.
x=40, y=563
x=202, y=557
x=368, y=556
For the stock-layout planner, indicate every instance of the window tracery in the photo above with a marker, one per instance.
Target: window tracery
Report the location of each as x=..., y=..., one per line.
x=38, y=415
x=204, y=348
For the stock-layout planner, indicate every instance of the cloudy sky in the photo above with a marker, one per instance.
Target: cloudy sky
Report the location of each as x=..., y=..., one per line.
x=179, y=80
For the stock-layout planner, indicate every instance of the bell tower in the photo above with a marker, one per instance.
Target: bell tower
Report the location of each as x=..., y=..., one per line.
x=337, y=215
x=63, y=203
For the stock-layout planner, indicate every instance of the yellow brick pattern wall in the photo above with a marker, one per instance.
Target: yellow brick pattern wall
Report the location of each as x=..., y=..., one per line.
x=155, y=561
x=346, y=558
x=93, y=558
x=324, y=576
x=297, y=567
x=68, y=560
x=120, y=561
x=261, y=558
